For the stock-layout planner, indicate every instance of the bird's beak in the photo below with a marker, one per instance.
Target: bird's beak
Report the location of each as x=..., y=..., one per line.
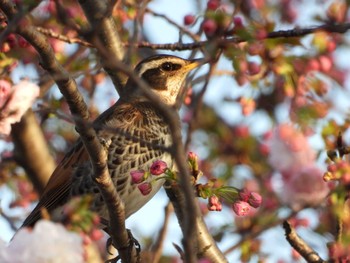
x=193, y=64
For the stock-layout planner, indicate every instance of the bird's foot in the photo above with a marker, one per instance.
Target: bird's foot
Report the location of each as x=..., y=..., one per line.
x=133, y=242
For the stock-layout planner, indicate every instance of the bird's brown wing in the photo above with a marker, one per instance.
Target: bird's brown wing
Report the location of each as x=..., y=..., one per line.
x=57, y=189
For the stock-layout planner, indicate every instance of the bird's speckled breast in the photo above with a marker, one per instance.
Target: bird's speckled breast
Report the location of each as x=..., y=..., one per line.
x=136, y=135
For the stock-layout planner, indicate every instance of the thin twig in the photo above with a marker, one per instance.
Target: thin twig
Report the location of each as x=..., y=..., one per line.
x=222, y=43
x=158, y=245
x=52, y=34
x=172, y=22
x=9, y=220
x=198, y=105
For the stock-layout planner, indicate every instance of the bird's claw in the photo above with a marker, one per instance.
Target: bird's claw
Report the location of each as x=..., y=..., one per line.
x=133, y=242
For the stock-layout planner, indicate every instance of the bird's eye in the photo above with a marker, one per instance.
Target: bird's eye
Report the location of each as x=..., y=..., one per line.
x=167, y=66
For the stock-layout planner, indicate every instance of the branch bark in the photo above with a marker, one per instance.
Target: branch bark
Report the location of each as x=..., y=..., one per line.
x=300, y=245
x=206, y=245
x=99, y=16
x=31, y=150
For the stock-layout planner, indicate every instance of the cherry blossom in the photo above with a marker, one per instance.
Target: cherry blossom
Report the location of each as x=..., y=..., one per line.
x=17, y=102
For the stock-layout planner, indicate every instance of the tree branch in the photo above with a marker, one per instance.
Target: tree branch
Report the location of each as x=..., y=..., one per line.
x=99, y=15
x=31, y=150
x=158, y=245
x=300, y=245
x=223, y=42
x=206, y=245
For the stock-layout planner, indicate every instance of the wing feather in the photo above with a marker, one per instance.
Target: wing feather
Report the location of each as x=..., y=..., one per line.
x=57, y=189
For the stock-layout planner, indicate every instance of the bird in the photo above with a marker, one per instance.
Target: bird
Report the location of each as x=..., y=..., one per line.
x=134, y=133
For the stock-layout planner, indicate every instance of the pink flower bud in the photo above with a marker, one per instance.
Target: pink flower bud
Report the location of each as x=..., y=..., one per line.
x=145, y=188
x=238, y=22
x=214, y=203
x=255, y=199
x=137, y=176
x=192, y=157
x=241, y=208
x=158, y=167
x=193, y=161
x=213, y=4
x=209, y=27
x=244, y=195
x=96, y=234
x=5, y=90
x=189, y=20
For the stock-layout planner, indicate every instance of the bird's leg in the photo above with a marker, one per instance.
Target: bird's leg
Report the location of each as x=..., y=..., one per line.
x=133, y=243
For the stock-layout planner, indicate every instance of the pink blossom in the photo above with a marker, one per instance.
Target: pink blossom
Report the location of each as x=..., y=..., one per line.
x=214, y=203
x=17, y=103
x=53, y=239
x=255, y=199
x=289, y=149
x=304, y=187
x=145, y=188
x=5, y=89
x=326, y=63
x=241, y=208
x=137, y=176
x=158, y=167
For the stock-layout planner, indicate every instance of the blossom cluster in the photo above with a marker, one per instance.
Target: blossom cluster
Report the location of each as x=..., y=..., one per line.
x=139, y=177
x=338, y=171
x=241, y=200
x=290, y=154
x=47, y=242
x=14, y=102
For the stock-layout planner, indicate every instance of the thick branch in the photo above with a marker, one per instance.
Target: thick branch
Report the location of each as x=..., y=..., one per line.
x=31, y=150
x=299, y=245
x=101, y=21
x=207, y=247
x=79, y=109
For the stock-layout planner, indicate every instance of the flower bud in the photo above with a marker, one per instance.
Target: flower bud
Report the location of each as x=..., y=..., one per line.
x=244, y=195
x=255, y=199
x=189, y=20
x=137, y=176
x=158, y=167
x=145, y=188
x=241, y=208
x=214, y=203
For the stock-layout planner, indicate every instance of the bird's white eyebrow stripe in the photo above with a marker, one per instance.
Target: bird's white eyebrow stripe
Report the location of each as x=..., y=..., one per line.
x=156, y=64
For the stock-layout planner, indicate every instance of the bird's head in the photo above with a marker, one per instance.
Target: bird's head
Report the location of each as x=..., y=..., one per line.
x=164, y=74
